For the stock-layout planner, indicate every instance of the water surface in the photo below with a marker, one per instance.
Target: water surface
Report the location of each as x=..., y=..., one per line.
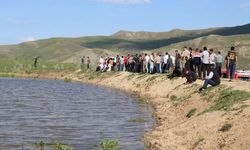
x=81, y=115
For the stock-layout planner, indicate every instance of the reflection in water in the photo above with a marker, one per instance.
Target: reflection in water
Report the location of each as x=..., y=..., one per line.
x=81, y=115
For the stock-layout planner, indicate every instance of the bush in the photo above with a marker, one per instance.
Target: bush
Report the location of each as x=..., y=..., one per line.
x=110, y=145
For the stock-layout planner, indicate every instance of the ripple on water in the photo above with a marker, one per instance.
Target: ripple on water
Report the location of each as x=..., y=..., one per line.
x=81, y=115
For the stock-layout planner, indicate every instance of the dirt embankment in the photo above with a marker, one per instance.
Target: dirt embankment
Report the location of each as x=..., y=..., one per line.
x=218, y=118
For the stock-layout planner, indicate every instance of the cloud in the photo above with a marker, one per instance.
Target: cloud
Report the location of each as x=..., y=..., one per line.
x=124, y=1
x=245, y=5
x=15, y=21
x=28, y=39
x=12, y=21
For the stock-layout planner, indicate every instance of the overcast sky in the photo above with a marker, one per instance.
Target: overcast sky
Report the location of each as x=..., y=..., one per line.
x=27, y=20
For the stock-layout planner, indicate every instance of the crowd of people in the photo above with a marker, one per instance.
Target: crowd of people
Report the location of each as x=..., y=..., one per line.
x=190, y=63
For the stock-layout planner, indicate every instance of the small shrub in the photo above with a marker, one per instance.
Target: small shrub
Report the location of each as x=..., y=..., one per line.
x=59, y=146
x=42, y=146
x=226, y=127
x=141, y=100
x=174, y=98
x=191, y=112
x=110, y=145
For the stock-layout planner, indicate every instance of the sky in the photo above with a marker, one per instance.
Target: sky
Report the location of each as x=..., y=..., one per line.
x=29, y=20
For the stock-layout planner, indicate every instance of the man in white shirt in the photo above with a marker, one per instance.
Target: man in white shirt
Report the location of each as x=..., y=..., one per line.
x=212, y=79
x=152, y=62
x=212, y=57
x=147, y=58
x=122, y=63
x=101, y=60
x=205, y=61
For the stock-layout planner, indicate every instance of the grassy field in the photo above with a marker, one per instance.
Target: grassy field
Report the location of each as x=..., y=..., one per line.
x=69, y=50
x=26, y=66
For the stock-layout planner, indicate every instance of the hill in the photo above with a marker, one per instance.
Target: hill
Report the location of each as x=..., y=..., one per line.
x=221, y=43
x=69, y=50
x=244, y=29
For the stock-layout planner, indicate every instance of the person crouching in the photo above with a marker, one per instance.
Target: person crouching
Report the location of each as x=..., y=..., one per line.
x=190, y=76
x=212, y=79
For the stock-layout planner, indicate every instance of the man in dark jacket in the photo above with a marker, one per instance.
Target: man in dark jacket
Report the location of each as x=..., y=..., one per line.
x=212, y=79
x=190, y=76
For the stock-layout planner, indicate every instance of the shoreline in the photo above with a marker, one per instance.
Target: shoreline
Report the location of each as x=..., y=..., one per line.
x=172, y=129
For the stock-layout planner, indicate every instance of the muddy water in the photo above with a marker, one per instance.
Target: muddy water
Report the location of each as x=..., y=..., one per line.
x=80, y=115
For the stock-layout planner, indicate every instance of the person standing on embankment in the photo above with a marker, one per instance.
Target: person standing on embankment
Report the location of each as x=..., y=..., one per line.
x=232, y=61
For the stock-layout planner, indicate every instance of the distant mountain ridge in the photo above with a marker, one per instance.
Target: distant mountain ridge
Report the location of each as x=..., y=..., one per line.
x=243, y=29
x=71, y=49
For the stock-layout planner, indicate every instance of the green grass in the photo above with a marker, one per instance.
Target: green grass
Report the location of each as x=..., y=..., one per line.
x=42, y=145
x=138, y=120
x=7, y=75
x=131, y=75
x=141, y=100
x=152, y=78
x=227, y=98
x=177, y=100
x=110, y=145
x=67, y=80
x=142, y=76
x=59, y=146
x=91, y=75
x=191, y=113
x=173, y=98
x=26, y=66
x=226, y=127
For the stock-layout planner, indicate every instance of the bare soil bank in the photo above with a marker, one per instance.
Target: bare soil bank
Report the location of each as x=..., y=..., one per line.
x=185, y=119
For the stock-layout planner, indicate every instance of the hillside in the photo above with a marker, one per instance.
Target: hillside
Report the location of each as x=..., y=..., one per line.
x=160, y=35
x=222, y=43
x=70, y=50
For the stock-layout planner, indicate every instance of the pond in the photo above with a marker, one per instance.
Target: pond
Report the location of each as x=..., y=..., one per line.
x=81, y=115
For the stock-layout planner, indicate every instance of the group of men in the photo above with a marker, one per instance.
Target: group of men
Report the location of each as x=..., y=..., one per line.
x=204, y=64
